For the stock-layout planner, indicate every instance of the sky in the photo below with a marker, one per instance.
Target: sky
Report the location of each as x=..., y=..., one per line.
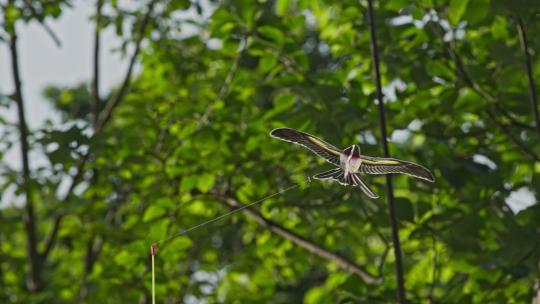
x=43, y=63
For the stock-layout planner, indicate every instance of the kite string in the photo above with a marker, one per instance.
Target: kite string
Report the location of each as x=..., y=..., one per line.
x=153, y=252
x=153, y=247
x=227, y=214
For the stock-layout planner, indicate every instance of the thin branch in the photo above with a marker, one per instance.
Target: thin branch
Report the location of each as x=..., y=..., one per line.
x=383, y=260
x=528, y=64
x=93, y=248
x=117, y=98
x=58, y=216
x=46, y=27
x=339, y=260
x=435, y=260
x=504, y=275
x=513, y=120
x=464, y=75
x=223, y=90
x=51, y=33
x=51, y=236
x=103, y=118
x=95, y=242
x=435, y=268
x=34, y=282
x=95, y=81
x=516, y=142
x=389, y=188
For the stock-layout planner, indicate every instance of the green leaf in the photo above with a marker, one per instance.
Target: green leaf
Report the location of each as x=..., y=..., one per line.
x=119, y=25
x=267, y=62
x=188, y=182
x=456, y=10
x=499, y=28
x=125, y=258
x=165, y=202
x=282, y=7
x=179, y=243
x=396, y=5
x=272, y=33
x=477, y=11
x=245, y=193
x=469, y=100
x=206, y=182
x=284, y=101
x=439, y=69
x=153, y=212
x=11, y=14
x=179, y=5
x=317, y=295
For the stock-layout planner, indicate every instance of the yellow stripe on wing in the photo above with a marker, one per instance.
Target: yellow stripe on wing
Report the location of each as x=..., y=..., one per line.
x=380, y=162
x=323, y=145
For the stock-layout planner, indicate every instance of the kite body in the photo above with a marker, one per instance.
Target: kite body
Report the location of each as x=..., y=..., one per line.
x=349, y=162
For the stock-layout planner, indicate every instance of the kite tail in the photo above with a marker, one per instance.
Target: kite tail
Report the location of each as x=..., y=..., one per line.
x=351, y=179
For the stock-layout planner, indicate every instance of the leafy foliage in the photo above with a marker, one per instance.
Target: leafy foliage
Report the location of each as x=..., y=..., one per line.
x=192, y=133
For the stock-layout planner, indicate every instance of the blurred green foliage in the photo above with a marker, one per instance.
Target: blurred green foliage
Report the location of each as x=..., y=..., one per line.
x=193, y=131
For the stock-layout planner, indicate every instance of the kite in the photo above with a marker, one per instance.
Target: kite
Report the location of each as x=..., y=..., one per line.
x=349, y=162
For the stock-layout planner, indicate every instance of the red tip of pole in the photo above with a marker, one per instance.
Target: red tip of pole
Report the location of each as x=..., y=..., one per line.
x=153, y=249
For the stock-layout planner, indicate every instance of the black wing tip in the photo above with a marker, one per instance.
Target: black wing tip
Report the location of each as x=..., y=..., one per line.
x=427, y=175
x=283, y=132
x=421, y=172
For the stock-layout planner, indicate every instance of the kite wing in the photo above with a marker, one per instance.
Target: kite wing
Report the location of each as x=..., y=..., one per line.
x=315, y=144
x=377, y=165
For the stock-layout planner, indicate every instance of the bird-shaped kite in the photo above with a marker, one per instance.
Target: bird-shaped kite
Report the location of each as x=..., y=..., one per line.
x=350, y=162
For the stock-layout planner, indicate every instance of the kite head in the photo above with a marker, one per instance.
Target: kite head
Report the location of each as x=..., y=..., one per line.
x=353, y=151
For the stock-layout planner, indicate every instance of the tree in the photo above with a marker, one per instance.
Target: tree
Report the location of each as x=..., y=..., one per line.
x=186, y=140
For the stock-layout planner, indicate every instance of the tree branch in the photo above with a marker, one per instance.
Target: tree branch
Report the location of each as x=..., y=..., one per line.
x=95, y=81
x=435, y=268
x=117, y=98
x=339, y=260
x=34, y=282
x=95, y=243
x=464, y=75
x=93, y=249
x=516, y=142
x=58, y=216
x=47, y=29
x=513, y=120
x=389, y=188
x=504, y=275
x=528, y=64
x=222, y=91
x=51, y=236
